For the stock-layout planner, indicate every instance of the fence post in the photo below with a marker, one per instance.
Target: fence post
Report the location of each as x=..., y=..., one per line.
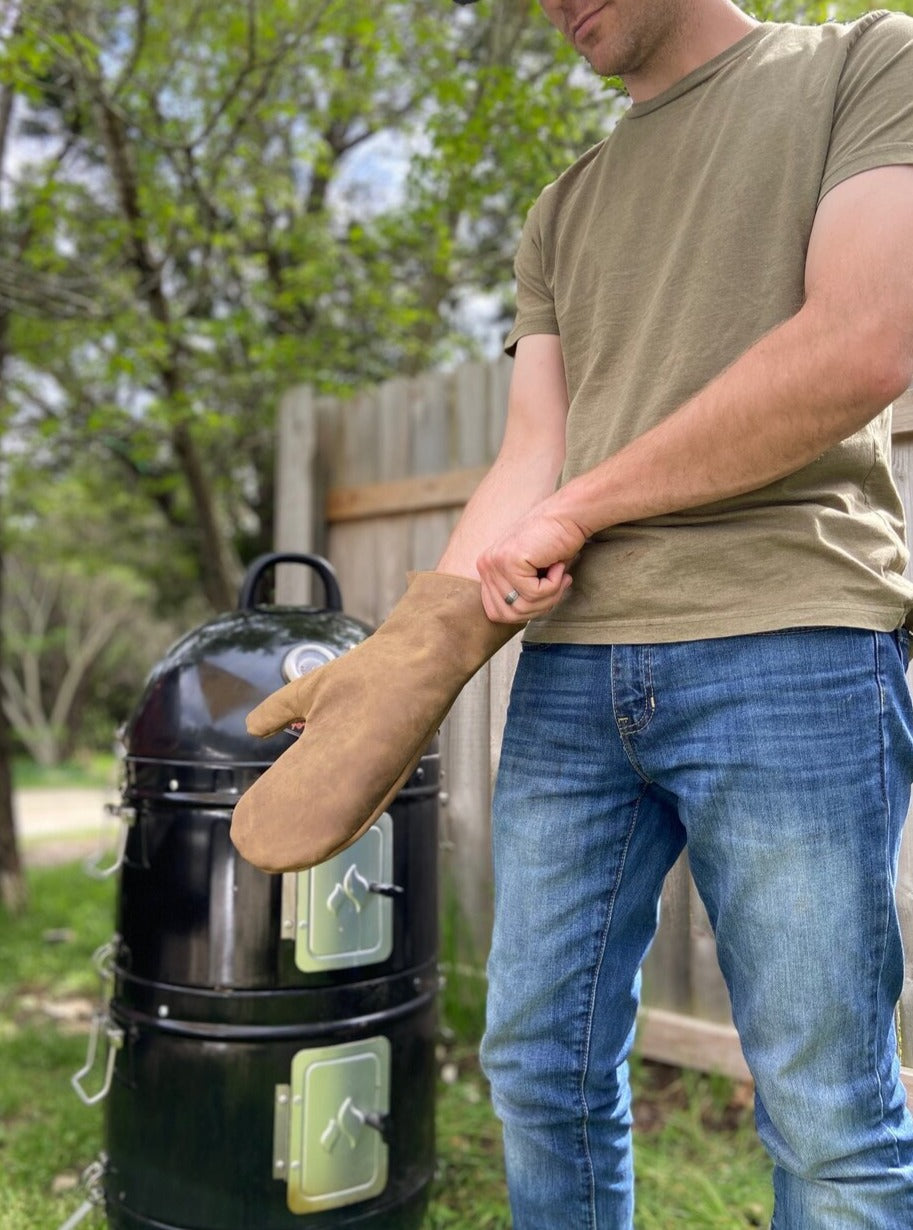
x=297, y=494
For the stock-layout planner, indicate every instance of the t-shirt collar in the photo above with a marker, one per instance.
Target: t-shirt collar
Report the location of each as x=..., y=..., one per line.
x=699, y=75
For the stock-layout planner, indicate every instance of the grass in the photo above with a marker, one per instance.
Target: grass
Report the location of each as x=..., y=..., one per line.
x=697, y=1159
x=698, y=1163
x=88, y=770
x=47, y=1136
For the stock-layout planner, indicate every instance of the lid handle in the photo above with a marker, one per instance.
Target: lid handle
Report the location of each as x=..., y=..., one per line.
x=247, y=595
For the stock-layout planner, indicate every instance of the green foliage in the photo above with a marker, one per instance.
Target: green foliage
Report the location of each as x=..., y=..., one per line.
x=48, y=951
x=469, y=1188
x=86, y=771
x=698, y=1164
x=46, y=1135
x=464, y=986
x=209, y=185
x=81, y=616
x=698, y=1161
x=211, y=202
x=814, y=12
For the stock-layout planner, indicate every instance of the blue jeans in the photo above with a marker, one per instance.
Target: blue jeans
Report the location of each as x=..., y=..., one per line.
x=784, y=760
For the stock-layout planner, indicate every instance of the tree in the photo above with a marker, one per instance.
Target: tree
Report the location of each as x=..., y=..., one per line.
x=13, y=894
x=198, y=185
x=79, y=613
x=61, y=625
x=196, y=219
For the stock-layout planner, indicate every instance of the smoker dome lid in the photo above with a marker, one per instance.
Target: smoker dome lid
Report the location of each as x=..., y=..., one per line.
x=187, y=734
x=197, y=697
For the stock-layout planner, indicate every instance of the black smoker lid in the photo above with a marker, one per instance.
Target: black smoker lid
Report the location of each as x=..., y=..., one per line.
x=187, y=734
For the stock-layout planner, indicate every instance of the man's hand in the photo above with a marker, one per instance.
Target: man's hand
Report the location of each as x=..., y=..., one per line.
x=531, y=561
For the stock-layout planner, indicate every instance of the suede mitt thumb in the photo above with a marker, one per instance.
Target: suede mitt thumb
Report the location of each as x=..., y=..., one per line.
x=368, y=718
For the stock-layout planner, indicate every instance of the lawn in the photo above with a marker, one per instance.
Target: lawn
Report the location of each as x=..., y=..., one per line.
x=698, y=1164
x=92, y=770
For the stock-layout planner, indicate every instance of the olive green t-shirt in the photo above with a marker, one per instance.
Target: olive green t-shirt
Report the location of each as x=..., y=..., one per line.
x=662, y=255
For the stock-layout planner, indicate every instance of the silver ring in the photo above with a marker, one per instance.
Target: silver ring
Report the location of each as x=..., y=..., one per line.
x=511, y=598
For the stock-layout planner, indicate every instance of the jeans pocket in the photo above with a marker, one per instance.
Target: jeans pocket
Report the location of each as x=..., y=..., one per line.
x=902, y=640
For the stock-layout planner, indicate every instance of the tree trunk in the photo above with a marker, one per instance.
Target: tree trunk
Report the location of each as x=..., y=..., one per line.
x=13, y=892
x=219, y=573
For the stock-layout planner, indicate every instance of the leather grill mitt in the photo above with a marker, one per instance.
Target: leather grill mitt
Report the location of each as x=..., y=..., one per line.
x=369, y=716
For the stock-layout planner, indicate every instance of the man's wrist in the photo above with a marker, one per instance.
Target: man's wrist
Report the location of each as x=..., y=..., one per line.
x=573, y=506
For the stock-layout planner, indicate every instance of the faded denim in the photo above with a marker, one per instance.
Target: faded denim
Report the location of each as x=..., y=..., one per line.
x=785, y=760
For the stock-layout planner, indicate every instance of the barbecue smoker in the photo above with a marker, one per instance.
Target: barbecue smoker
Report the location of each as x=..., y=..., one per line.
x=267, y=1051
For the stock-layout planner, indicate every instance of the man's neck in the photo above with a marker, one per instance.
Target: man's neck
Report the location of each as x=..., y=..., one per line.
x=710, y=28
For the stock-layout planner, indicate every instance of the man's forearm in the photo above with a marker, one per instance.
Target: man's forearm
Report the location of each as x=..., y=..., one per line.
x=529, y=460
x=794, y=394
x=805, y=386
x=513, y=486
x=787, y=400
x=808, y=384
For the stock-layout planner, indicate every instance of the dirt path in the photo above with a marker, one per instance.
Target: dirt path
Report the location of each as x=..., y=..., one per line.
x=60, y=825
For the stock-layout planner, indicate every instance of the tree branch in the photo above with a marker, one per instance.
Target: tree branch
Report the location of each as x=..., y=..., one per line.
x=126, y=73
x=85, y=647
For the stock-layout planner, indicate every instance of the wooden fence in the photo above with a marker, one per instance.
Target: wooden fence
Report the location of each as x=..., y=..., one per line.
x=376, y=484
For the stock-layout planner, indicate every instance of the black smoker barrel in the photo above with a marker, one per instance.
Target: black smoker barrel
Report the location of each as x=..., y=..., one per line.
x=274, y=1034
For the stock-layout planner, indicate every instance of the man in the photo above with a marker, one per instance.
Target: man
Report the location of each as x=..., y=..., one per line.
x=693, y=505
x=692, y=510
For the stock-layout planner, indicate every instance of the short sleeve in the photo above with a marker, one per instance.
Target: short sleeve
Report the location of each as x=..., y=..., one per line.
x=873, y=116
x=535, y=304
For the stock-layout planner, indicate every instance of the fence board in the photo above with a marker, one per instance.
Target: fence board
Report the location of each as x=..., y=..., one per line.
x=353, y=555
x=471, y=399
x=393, y=559
x=393, y=430
x=708, y=988
x=467, y=767
x=298, y=509
x=430, y=535
x=667, y=971
x=501, y=675
x=498, y=385
x=418, y=494
x=360, y=436
x=431, y=403
x=673, y=1037
x=902, y=423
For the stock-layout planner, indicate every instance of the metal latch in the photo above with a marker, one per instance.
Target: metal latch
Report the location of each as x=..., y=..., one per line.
x=126, y=814
x=115, y=1039
x=93, y=1181
x=103, y=959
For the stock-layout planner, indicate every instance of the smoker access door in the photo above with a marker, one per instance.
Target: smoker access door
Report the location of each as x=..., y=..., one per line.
x=329, y=1144
x=340, y=913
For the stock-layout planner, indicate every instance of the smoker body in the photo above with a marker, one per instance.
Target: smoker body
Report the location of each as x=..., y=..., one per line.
x=272, y=1035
